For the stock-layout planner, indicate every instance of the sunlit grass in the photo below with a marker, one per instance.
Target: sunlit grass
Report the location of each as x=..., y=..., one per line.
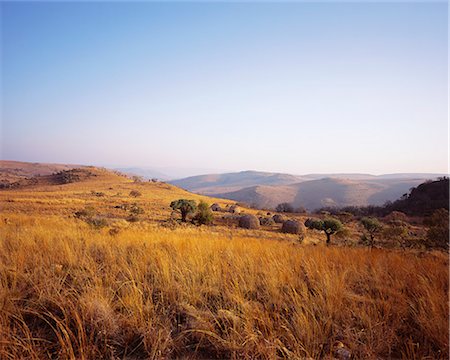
x=70, y=291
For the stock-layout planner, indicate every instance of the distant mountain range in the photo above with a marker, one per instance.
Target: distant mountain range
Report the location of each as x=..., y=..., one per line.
x=312, y=191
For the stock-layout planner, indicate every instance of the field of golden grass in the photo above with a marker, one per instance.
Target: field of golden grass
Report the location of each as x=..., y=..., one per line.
x=69, y=290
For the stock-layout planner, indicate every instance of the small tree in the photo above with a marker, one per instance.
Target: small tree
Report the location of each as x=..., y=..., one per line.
x=329, y=226
x=285, y=207
x=204, y=215
x=373, y=227
x=185, y=207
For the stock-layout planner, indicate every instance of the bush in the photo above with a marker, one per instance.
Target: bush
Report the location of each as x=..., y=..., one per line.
x=204, y=215
x=135, y=193
x=372, y=226
x=438, y=232
x=266, y=221
x=87, y=212
x=216, y=207
x=249, y=222
x=285, y=207
x=279, y=219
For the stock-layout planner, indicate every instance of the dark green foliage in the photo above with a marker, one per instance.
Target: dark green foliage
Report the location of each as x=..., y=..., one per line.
x=204, y=215
x=372, y=226
x=329, y=226
x=184, y=206
x=438, y=232
x=285, y=207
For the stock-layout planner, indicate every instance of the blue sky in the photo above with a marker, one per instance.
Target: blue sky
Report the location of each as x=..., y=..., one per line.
x=289, y=87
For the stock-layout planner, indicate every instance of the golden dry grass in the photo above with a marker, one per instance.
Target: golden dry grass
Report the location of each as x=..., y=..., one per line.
x=68, y=290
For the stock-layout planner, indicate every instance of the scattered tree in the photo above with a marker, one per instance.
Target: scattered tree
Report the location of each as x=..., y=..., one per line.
x=372, y=226
x=184, y=206
x=329, y=226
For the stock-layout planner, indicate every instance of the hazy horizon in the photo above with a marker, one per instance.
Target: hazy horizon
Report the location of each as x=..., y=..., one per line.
x=295, y=88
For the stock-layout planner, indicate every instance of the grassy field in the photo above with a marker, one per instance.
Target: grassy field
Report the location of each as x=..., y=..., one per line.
x=70, y=290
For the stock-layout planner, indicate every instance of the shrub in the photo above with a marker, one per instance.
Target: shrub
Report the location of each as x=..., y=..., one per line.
x=216, y=207
x=204, y=215
x=249, y=222
x=87, y=212
x=97, y=222
x=285, y=207
x=438, y=232
x=372, y=226
x=279, y=219
x=266, y=221
x=135, y=209
x=135, y=193
x=98, y=193
x=184, y=206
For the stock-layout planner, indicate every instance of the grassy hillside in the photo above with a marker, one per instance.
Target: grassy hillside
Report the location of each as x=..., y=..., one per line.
x=147, y=289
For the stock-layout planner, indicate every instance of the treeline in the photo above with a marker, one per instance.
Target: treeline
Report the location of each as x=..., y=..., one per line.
x=422, y=200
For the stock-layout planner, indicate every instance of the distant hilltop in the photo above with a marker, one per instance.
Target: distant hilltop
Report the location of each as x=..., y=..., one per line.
x=311, y=191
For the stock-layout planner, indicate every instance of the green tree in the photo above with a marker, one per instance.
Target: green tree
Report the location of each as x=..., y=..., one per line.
x=184, y=206
x=204, y=215
x=372, y=226
x=329, y=226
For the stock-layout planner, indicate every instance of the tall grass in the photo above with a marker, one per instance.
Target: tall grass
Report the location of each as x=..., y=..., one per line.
x=69, y=291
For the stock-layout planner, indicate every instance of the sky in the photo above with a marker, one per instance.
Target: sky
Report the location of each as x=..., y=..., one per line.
x=292, y=87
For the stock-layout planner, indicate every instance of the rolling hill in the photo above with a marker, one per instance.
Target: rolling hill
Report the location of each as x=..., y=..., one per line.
x=228, y=182
x=12, y=171
x=266, y=190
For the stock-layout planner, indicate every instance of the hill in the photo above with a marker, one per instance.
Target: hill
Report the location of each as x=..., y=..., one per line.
x=323, y=193
x=425, y=198
x=83, y=279
x=227, y=182
x=12, y=171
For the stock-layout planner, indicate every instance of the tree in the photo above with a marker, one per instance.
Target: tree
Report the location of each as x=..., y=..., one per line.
x=329, y=226
x=373, y=227
x=184, y=206
x=204, y=215
x=285, y=207
x=438, y=232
